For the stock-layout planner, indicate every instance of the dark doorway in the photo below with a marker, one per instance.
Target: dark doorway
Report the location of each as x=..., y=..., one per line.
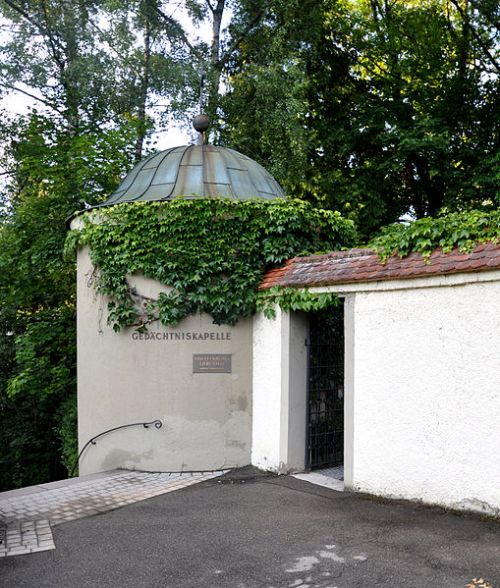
x=326, y=388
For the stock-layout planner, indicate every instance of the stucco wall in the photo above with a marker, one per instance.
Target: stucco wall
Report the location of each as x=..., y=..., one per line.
x=124, y=379
x=426, y=394
x=279, y=392
x=267, y=385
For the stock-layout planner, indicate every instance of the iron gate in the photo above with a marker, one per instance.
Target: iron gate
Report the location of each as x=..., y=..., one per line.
x=326, y=388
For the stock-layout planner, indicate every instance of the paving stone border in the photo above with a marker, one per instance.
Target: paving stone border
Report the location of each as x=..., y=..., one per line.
x=29, y=513
x=27, y=537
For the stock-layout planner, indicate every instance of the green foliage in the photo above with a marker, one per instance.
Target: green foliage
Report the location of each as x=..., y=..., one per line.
x=294, y=299
x=26, y=442
x=56, y=173
x=42, y=377
x=67, y=431
x=44, y=357
x=213, y=253
x=376, y=109
x=458, y=229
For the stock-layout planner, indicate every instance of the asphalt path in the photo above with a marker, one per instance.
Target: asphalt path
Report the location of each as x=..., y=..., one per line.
x=249, y=530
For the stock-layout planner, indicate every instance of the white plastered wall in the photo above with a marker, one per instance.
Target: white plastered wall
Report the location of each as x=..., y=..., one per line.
x=124, y=379
x=423, y=390
x=279, y=392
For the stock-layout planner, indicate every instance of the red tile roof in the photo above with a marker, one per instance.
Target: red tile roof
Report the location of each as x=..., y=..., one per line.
x=364, y=265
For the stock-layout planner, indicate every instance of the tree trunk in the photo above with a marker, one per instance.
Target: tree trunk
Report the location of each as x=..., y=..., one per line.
x=432, y=189
x=143, y=95
x=215, y=60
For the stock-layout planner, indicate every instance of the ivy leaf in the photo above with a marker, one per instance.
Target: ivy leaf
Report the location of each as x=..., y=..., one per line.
x=213, y=253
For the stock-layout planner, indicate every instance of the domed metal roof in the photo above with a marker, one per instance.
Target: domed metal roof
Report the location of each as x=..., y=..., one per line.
x=196, y=171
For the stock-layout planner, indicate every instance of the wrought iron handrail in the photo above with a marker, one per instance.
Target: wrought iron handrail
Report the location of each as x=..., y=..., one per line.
x=157, y=424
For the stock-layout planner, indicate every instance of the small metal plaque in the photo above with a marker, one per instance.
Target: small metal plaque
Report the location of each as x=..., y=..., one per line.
x=212, y=363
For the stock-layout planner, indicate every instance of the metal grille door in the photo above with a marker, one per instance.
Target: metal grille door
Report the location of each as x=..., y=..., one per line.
x=326, y=388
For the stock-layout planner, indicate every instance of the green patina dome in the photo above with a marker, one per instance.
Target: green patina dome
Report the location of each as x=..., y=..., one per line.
x=196, y=171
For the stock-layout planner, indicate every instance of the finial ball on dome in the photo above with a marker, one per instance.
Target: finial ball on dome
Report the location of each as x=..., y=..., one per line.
x=201, y=122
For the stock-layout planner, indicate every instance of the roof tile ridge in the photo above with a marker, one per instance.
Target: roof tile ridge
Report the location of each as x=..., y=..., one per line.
x=341, y=254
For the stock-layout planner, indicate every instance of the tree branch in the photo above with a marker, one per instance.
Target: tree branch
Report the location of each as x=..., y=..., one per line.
x=180, y=31
x=375, y=10
x=477, y=37
x=33, y=96
x=250, y=25
x=493, y=23
x=104, y=37
x=20, y=10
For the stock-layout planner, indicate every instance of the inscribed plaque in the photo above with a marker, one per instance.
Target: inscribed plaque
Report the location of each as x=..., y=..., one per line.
x=212, y=363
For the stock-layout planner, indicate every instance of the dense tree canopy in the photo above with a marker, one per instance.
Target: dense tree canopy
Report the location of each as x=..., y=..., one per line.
x=374, y=108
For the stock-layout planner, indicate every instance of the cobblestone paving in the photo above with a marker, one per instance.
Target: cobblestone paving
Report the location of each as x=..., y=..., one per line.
x=28, y=517
x=27, y=537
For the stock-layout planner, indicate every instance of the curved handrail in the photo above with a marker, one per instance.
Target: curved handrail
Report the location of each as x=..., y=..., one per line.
x=156, y=423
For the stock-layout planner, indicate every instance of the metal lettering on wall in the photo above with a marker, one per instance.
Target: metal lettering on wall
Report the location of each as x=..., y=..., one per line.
x=212, y=363
x=182, y=336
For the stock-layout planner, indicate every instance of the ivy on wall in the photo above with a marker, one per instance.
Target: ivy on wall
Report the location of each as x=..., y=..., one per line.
x=292, y=299
x=212, y=253
x=458, y=229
